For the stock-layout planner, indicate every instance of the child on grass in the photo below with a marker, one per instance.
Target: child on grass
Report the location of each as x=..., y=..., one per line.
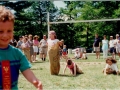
x=111, y=67
x=77, y=54
x=12, y=59
x=74, y=69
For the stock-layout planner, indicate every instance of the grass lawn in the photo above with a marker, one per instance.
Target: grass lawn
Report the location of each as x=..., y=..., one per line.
x=92, y=78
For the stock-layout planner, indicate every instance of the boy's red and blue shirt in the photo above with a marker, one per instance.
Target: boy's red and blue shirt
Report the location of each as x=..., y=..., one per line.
x=17, y=61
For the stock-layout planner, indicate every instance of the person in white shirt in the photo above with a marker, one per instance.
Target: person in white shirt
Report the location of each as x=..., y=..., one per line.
x=117, y=38
x=111, y=46
x=77, y=54
x=118, y=48
x=111, y=67
x=53, y=53
x=105, y=47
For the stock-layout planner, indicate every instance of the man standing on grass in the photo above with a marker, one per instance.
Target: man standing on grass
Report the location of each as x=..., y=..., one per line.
x=96, y=46
x=43, y=48
x=111, y=46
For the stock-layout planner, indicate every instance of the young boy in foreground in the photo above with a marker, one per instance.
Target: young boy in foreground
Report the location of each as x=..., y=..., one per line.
x=12, y=59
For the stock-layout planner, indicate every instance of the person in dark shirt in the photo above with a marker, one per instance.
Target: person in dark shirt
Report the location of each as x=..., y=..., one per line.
x=96, y=46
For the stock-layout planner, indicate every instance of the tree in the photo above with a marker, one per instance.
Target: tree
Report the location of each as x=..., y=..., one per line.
x=90, y=10
x=30, y=16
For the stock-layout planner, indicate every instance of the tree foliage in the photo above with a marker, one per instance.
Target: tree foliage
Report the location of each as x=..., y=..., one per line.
x=91, y=10
x=31, y=18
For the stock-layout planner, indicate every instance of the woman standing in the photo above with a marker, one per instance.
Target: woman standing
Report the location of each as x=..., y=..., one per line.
x=53, y=53
x=35, y=47
x=105, y=47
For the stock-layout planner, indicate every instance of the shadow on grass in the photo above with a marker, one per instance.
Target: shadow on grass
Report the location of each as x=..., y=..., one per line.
x=63, y=75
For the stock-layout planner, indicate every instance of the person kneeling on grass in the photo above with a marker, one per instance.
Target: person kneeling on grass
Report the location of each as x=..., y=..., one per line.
x=111, y=67
x=74, y=69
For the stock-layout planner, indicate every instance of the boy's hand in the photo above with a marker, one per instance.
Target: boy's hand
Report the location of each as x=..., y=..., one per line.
x=38, y=84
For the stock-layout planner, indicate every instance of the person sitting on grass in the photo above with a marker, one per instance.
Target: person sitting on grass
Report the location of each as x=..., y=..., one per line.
x=77, y=54
x=111, y=67
x=84, y=56
x=74, y=69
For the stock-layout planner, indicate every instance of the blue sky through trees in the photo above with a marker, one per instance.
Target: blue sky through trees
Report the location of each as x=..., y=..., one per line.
x=59, y=4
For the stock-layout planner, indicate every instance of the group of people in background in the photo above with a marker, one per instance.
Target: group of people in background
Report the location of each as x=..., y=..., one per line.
x=111, y=46
x=30, y=45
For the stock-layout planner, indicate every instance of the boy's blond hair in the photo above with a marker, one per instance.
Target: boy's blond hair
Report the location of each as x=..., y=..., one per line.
x=6, y=14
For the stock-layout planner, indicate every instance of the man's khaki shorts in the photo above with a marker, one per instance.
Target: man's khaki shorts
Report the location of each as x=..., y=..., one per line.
x=96, y=49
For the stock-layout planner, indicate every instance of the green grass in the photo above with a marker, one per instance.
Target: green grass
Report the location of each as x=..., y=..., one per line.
x=92, y=78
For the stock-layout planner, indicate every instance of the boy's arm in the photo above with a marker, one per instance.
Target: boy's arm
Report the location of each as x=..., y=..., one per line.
x=29, y=75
